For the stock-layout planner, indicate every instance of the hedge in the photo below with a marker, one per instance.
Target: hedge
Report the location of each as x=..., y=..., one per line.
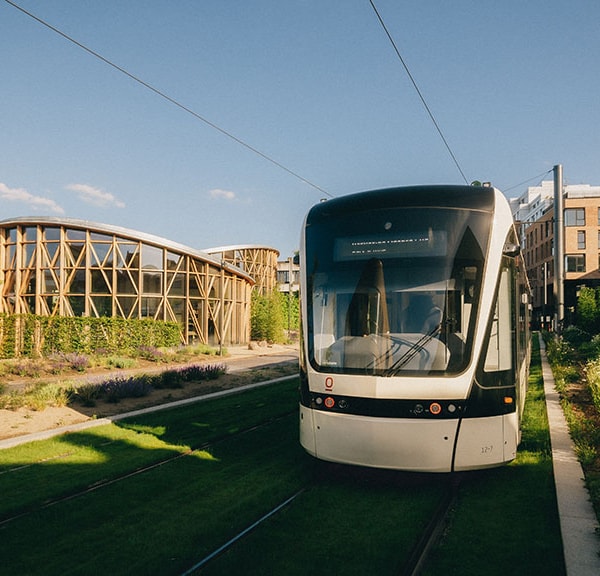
x=30, y=335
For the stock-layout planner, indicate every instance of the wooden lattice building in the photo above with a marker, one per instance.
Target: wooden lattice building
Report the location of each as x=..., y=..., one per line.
x=68, y=267
x=260, y=262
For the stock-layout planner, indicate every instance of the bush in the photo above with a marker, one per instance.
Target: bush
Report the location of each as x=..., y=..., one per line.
x=199, y=372
x=171, y=379
x=267, y=317
x=120, y=362
x=588, y=309
x=117, y=389
x=30, y=335
x=559, y=351
x=87, y=394
x=575, y=336
x=43, y=395
x=78, y=362
x=592, y=372
x=151, y=353
x=24, y=368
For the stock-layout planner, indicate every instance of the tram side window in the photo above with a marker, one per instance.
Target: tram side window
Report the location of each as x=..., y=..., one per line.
x=324, y=320
x=500, y=345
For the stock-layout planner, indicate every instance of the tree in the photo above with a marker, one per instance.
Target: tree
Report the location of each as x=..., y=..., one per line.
x=267, y=318
x=588, y=310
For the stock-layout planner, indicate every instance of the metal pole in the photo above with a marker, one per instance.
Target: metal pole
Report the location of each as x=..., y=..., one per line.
x=222, y=310
x=559, y=249
x=545, y=301
x=289, y=302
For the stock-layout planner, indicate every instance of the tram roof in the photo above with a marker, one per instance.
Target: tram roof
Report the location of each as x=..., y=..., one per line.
x=476, y=197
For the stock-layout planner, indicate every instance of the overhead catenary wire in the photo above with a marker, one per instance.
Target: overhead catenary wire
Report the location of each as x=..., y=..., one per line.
x=538, y=177
x=170, y=99
x=416, y=87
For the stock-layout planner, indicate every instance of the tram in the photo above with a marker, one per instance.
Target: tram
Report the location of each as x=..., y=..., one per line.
x=415, y=320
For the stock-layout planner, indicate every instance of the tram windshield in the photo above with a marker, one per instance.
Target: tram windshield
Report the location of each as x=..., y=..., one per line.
x=394, y=292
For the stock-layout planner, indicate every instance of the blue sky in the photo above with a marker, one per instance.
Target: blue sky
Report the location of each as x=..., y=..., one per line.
x=313, y=84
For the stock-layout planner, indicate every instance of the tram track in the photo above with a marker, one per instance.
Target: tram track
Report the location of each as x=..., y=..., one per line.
x=106, y=482
x=417, y=559
x=232, y=541
x=410, y=562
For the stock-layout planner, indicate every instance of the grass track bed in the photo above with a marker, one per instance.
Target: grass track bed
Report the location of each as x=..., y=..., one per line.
x=506, y=519
x=159, y=522
x=348, y=521
x=72, y=462
x=351, y=522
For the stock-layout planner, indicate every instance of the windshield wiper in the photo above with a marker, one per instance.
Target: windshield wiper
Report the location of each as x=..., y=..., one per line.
x=415, y=348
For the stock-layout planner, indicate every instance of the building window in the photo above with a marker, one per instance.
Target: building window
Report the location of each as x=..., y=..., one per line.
x=581, y=240
x=575, y=217
x=575, y=263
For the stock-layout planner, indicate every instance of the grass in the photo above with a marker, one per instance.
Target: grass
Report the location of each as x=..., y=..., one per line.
x=157, y=523
x=162, y=522
x=112, y=450
x=350, y=520
x=506, y=519
x=38, y=396
x=59, y=363
x=576, y=370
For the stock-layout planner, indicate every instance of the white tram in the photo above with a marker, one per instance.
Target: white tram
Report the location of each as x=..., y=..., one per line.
x=415, y=318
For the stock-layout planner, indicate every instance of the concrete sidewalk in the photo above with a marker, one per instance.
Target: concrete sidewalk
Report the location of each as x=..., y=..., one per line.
x=578, y=522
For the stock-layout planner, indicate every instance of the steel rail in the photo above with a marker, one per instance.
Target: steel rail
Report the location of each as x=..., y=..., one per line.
x=432, y=532
x=110, y=481
x=243, y=533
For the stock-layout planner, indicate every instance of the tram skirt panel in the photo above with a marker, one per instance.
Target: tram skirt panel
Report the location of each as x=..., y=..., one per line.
x=486, y=442
x=419, y=445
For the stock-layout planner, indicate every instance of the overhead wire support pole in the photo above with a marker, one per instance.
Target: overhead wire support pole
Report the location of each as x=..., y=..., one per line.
x=559, y=249
x=169, y=99
x=414, y=83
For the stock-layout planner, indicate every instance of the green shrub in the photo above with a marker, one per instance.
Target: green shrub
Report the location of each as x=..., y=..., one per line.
x=592, y=373
x=31, y=336
x=88, y=393
x=559, y=351
x=120, y=362
x=267, y=320
x=588, y=310
x=42, y=395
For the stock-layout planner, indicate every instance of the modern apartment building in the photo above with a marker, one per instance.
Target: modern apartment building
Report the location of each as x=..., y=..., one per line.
x=534, y=210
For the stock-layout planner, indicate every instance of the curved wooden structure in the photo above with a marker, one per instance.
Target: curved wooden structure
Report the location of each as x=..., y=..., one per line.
x=68, y=267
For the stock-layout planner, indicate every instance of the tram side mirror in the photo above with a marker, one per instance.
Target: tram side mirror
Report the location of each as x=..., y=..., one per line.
x=511, y=250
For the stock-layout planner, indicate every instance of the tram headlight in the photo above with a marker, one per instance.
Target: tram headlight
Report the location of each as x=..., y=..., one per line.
x=435, y=408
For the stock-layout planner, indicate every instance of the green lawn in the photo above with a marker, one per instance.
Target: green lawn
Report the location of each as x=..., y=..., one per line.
x=506, y=519
x=348, y=521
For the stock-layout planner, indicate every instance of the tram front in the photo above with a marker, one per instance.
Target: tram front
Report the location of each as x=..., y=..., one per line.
x=392, y=293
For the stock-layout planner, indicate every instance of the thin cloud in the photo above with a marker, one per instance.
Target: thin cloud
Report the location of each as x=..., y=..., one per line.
x=95, y=196
x=217, y=193
x=37, y=202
